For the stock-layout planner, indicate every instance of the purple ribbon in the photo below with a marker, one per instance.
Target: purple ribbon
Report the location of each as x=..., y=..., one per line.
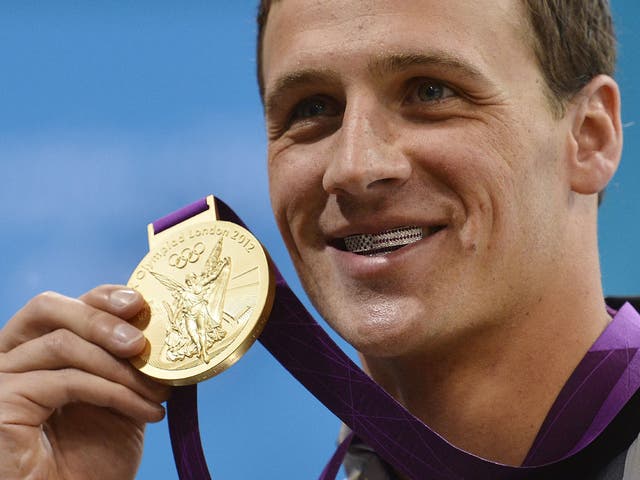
x=302, y=346
x=182, y=412
x=180, y=215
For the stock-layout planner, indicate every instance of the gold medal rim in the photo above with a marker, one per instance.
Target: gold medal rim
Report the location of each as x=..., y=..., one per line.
x=240, y=345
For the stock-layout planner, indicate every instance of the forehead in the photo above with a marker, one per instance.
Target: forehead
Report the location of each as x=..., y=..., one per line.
x=319, y=33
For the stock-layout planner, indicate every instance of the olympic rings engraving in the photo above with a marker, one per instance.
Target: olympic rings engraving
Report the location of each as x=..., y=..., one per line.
x=188, y=255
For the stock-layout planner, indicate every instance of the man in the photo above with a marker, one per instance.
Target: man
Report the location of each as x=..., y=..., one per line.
x=435, y=171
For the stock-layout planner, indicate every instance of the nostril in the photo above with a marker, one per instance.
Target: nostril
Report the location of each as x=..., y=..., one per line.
x=384, y=182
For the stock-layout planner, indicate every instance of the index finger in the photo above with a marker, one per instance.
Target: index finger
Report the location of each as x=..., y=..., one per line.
x=99, y=316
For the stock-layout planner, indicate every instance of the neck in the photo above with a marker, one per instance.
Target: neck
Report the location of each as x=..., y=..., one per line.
x=489, y=394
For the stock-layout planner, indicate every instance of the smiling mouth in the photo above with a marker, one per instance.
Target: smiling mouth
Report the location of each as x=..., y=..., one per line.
x=383, y=243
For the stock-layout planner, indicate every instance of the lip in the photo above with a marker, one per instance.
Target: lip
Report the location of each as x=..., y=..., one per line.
x=362, y=267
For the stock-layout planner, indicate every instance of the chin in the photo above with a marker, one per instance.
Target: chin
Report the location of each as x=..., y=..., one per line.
x=379, y=332
x=386, y=319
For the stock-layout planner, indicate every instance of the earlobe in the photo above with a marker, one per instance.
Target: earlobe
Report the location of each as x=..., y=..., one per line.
x=597, y=132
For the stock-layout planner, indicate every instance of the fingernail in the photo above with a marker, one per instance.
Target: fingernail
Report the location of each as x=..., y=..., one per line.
x=123, y=297
x=126, y=334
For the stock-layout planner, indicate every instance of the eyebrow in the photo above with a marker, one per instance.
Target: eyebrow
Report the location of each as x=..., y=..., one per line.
x=379, y=66
x=398, y=62
x=296, y=79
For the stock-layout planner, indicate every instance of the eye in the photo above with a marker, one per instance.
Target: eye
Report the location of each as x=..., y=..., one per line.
x=317, y=106
x=430, y=91
x=311, y=107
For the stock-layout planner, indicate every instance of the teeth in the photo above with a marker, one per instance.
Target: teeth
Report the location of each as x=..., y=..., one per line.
x=384, y=242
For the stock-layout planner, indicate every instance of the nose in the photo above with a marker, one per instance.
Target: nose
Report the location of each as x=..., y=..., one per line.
x=366, y=159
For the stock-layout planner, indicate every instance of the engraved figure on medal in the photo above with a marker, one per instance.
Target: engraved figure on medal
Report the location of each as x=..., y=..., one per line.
x=195, y=320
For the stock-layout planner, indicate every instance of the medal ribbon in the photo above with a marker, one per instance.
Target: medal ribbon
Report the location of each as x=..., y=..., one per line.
x=302, y=346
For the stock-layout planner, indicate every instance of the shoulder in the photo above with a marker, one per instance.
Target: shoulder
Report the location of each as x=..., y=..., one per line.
x=631, y=461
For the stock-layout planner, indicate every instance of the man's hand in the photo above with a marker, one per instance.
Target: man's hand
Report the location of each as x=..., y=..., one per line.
x=71, y=405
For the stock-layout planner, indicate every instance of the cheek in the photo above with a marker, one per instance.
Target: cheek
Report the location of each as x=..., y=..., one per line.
x=278, y=179
x=295, y=188
x=468, y=168
x=483, y=170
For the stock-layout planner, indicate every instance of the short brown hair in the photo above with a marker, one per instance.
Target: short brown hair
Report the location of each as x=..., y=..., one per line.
x=573, y=40
x=263, y=12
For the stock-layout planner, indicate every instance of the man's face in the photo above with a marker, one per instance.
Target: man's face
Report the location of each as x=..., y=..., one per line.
x=421, y=116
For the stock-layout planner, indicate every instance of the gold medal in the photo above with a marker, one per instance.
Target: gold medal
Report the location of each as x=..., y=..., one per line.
x=210, y=290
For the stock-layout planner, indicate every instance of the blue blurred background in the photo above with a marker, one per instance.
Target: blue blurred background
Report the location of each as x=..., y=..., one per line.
x=114, y=113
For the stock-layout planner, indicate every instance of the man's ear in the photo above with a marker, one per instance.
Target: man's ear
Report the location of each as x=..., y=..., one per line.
x=597, y=132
